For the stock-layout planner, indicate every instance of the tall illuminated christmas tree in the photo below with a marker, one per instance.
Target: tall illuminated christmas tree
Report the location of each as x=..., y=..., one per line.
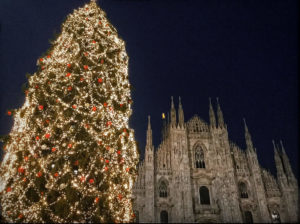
x=71, y=156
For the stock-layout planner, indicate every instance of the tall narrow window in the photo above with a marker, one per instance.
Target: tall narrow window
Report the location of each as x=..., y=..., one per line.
x=199, y=157
x=243, y=190
x=163, y=190
x=164, y=217
x=204, y=195
x=248, y=217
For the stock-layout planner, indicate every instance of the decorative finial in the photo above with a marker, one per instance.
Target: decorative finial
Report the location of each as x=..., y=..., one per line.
x=149, y=123
x=172, y=103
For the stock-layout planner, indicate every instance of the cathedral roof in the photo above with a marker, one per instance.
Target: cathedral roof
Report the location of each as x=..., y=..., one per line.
x=196, y=124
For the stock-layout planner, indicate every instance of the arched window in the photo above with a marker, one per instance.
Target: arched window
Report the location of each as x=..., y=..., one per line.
x=199, y=157
x=243, y=190
x=248, y=217
x=136, y=218
x=164, y=217
x=275, y=217
x=163, y=190
x=204, y=195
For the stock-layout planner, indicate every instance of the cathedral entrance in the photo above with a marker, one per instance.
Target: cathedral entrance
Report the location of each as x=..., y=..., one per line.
x=164, y=217
x=248, y=217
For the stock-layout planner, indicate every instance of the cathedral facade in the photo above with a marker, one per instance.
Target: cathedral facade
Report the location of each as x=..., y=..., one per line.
x=198, y=175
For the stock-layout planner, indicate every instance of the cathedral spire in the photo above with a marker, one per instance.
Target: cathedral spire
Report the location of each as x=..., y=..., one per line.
x=173, y=113
x=212, y=118
x=220, y=116
x=248, y=139
x=286, y=163
x=180, y=114
x=149, y=135
x=278, y=163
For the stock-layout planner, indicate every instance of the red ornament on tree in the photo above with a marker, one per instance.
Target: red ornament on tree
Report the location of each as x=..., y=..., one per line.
x=70, y=88
x=96, y=200
x=26, y=158
x=94, y=41
x=53, y=149
x=81, y=79
x=47, y=135
x=69, y=145
x=107, y=161
x=69, y=65
x=82, y=178
x=39, y=174
x=102, y=61
x=37, y=138
x=76, y=163
x=20, y=216
x=8, y=189
x=100, y=80
x=108, y=123
x=127, y=169
x=94, y=108
x=105, y=104
x=85, y=67
x=121, y=105
x=100, y=23
x=21, y=169
x=120, y=196
x=48, y=56
x=74, y=106
x=119, y=152
x=41, y=59
x=68, y=74
x=56, y=174
x=105, y=168
x=8, y=113
x=91, y=181
x=41, y=107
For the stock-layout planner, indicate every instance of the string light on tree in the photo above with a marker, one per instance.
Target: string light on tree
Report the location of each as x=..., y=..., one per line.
x=76, y=109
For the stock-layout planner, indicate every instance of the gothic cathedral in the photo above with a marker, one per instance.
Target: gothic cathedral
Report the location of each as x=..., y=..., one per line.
x=197, y=175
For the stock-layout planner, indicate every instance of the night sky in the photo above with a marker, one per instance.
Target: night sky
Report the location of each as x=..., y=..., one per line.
x=244, y=52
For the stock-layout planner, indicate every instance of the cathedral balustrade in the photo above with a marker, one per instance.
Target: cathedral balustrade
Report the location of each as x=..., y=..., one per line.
x=206, y=209
x=199, y=135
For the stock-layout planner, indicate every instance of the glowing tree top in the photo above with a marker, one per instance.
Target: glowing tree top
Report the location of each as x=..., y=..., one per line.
x=71, y=156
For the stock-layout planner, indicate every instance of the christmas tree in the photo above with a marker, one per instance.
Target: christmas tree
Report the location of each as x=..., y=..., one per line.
x=71, y=156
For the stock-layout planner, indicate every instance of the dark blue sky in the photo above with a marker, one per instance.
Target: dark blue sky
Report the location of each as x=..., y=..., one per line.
x=244, y=52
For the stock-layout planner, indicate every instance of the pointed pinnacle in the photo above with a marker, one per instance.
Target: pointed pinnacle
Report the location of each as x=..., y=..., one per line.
x=276, y=154
x=172, y=103
x=245, y=125
x=179, y=102
x=282, y=148
x=149, y=123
